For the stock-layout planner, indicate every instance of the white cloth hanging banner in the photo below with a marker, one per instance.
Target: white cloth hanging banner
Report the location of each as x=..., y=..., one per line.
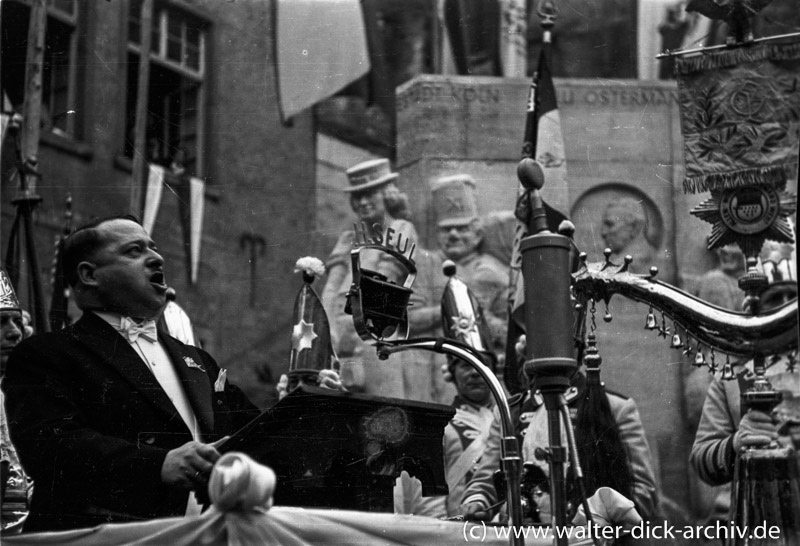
x=152, y=198
x=197, y=196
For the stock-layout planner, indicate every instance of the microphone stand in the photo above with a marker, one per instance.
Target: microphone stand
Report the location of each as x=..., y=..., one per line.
x=556, y=457
x=509, y=446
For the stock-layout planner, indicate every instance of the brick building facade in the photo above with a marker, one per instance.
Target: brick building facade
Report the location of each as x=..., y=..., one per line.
x=213, y=87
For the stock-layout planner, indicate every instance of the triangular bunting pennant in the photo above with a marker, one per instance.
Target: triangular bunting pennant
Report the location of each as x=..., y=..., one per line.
x=197, y=191
x=152, y=199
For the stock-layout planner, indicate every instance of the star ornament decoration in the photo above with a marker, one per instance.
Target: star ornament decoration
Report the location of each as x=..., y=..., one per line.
x=463, y=325
x=748, y=215
x=303, y=336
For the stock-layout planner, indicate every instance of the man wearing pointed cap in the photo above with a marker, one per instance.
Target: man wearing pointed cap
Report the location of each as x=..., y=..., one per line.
x=112, y=418
x=13, y=326
x=465, y=436
x=378, y=205
x=12, y=331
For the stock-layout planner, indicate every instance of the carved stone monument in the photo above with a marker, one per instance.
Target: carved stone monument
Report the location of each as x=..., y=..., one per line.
x=623, y=146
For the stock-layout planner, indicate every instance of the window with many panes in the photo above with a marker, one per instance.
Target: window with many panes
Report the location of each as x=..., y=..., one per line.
x=175, y=112
x=59, y=75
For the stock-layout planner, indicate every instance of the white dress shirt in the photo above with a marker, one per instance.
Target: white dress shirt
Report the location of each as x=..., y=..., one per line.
x=159, y=362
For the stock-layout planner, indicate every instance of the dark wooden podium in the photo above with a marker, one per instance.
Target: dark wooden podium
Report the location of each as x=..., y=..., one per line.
x=344, y=450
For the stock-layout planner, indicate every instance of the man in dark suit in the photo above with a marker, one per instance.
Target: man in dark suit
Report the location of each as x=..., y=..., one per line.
x=113, y=420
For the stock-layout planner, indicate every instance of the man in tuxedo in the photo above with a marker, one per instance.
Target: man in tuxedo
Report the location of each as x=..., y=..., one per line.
x=114, y=420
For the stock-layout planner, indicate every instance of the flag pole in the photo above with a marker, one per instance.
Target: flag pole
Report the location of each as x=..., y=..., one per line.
x=546, y=261
x=524, y=208
x=547, y=11
x=542, y=257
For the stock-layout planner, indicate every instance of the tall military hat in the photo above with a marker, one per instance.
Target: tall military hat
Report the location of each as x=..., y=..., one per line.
x=782, y=286
x=454, y=200
x=8, y=298
x=462, y=316
x=312, y=349
x=369, y=174
x=778, y=263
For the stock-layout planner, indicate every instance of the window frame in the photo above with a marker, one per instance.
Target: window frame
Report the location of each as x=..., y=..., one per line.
x=74, y=21
x=162, y=9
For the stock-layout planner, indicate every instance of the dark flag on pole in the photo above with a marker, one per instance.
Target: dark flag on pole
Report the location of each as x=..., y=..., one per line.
x=544, y=143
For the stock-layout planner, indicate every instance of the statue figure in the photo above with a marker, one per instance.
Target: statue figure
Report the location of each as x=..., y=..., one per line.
x=461, y=237
x=378, y=205
x=720, y=286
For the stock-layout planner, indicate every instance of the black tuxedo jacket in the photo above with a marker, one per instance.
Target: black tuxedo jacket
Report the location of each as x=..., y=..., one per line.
x=92, y=425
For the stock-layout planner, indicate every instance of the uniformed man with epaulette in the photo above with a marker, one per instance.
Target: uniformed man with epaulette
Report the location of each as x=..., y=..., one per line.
x=466, y=434
x=611, y=443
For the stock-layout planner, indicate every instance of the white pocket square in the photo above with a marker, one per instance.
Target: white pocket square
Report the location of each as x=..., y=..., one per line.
x=219, y=384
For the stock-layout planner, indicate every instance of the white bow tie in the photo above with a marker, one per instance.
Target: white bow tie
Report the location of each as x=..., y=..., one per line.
x=131, y=331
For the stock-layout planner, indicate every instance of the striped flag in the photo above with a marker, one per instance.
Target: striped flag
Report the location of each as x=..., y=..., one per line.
x=543, y=142
x=321, y=47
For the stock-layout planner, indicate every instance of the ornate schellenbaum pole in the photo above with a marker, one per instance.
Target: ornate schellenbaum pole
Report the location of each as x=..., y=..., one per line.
x=739, y=113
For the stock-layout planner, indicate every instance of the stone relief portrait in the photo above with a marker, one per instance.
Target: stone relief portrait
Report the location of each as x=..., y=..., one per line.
x=621, y=217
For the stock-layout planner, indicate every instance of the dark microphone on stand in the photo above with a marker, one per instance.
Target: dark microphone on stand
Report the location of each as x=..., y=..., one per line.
x=549, y=319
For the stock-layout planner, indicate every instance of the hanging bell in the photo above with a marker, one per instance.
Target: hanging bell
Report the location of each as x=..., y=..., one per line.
x=651, y=321
x=607, y=317
x=727, y=372
x=699, y=359
x=676, y=341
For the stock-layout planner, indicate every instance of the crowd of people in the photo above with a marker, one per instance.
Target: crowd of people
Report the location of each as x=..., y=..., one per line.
x=114, y=396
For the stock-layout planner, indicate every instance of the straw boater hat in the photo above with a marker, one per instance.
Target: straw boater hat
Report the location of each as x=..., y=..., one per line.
x=369, y=174
x=8, y=298
x=454, y=200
